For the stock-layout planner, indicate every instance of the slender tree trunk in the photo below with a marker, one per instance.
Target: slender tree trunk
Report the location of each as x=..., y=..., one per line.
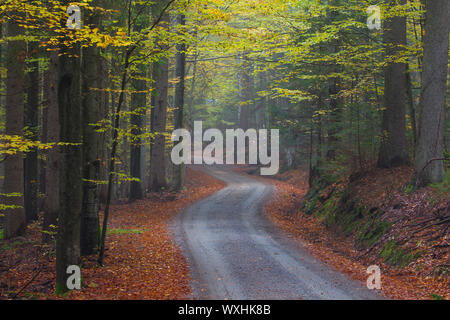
x=108, y=102
x=15, y=219
x=245, y=94
x=335, y=102
x=433, y=95
x=31, y=169
x=111, y=167
x=393, y=146
x=71, y=186
x=138, y=108
x=138, y=104
x=179, y=100
x=51, y=209
x=191, y=100
x=158, y=179
x=412, y=109
x=311, y=151
x=43, y=153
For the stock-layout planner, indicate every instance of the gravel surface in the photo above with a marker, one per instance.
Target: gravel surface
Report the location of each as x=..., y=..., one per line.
x=235, y=253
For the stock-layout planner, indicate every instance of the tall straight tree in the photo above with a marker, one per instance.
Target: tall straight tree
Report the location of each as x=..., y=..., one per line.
x=51, y=207
x=138, y=108
x=245, y=92
x=158, y=179
x=15, y=220
x=393, y=146
x=429, y=165
x=91, y=143
x=334, y=88
x=71, y=187
x=31, y=169
x=179, y=98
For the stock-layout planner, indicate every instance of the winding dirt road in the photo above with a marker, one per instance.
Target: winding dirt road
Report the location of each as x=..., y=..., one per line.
x=236, y=253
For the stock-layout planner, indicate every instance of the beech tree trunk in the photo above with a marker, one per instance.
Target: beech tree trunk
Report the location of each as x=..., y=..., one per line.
x=158, y=179
x=334, y=122
x=91, y=147
x=179, y=101
x=31, y=169
x=138, y=109
x=138, y=102
x=71, y=187
x=393, y=150
x=429, y=167
x=51, y=207
x=245, y=94
x=15, y=219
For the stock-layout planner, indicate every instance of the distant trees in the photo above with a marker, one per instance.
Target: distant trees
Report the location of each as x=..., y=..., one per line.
x=336, y=88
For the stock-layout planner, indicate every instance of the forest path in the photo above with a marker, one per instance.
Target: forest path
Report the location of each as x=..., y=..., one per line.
x=235, y=252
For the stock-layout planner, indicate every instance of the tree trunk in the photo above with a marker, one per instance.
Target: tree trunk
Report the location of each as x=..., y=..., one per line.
x=138, y=103
x=179, y=100
x=91, y=147
x=15, y=219
x=412, y=109
x=158, y=179
x=138, y=108
x=51, y=209
x=245, y=94
x=393, y=145
x=71, y=186
x=433, y=95
x=334, y=88
x=31, y=169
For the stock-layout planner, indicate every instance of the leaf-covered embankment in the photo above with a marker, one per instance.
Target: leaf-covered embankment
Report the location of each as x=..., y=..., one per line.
x=141, y=262
x=372, y=218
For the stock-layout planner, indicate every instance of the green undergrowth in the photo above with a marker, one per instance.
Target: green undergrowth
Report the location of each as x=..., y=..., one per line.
x=125, y=231
x=394, y=255
x=442, y=189
x=12, y=245
x=345, y=215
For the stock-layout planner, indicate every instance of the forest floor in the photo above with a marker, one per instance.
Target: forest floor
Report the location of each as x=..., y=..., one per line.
x=419, y=223
x=141, y=262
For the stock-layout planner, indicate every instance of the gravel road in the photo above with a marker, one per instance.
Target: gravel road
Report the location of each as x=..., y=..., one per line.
x=235, y=253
